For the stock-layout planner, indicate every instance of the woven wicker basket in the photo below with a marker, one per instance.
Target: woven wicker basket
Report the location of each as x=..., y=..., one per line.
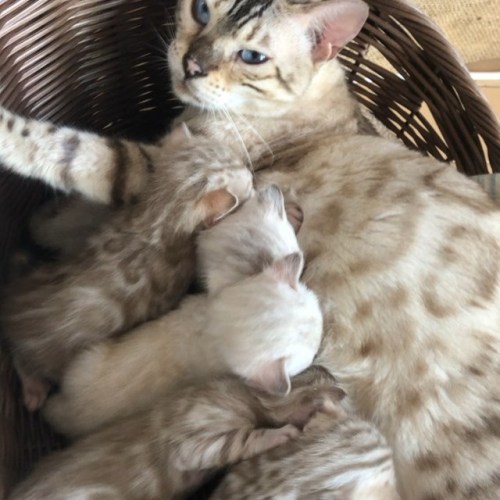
x=100, y=64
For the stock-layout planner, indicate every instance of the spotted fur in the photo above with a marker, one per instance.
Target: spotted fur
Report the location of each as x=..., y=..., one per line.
x=136, y=268
x=401, y=249
x=189, y=434
x=279, y=326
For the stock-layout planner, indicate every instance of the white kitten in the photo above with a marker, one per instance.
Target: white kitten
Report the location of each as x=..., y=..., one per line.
x=266, y=328
x=244, y=243
x=257, y=321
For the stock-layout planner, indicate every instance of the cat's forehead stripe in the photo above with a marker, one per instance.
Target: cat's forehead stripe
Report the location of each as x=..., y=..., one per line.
x=244, y=11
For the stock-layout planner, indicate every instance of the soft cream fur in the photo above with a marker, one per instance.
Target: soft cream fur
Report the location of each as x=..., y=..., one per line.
x=402, y=250
x=265, y=327
x=183, y=438
x=256, y=234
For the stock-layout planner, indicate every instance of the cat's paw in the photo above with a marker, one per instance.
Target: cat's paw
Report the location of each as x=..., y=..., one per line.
x=277, y=437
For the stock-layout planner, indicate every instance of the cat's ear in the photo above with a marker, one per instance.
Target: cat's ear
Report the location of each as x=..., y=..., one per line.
x=331, y=23
x=272, y=378
x=288, y=269
x=295, y=215
x=180, y=135
x=273, y=196
x=215, y=205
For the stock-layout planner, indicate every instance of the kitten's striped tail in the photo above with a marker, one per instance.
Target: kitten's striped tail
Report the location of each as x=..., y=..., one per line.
x=101, y=169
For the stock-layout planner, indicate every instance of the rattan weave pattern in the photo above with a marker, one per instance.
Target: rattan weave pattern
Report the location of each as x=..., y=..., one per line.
x=100, y=65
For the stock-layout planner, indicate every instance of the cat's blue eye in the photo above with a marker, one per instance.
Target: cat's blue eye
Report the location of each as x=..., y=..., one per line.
x=252, y=56
x=201, y=12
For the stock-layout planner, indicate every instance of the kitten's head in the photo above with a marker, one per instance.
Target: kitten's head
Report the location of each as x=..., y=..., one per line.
x=246, y=241
x=266, y=328
x=256, y=56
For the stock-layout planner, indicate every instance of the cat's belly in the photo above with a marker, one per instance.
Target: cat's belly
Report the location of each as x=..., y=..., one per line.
x=404, y=255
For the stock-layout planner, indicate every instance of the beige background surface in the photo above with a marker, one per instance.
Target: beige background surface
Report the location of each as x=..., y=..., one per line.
x=472, y=26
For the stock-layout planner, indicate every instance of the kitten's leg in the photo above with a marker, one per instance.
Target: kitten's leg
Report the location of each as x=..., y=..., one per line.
x=66, y=225
x=233, y=439
x=314, y=391
x=98, y=388
x=208, y=451
x=101, y=169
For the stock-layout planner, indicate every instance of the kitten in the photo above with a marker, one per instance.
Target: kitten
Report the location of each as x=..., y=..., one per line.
x=402, y=250
x=338, y=456
x=252, y=237
x=257, y=321
x=134, y=269
x=64, y=226
x=187, y=436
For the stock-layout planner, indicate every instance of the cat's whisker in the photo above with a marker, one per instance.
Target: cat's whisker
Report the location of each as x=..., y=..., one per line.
x=256, y=133
x=231, y=121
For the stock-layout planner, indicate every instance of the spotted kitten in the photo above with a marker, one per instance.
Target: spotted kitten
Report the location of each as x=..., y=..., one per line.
x=170, y=449
x=403, y=251
x=137, y=267
x=257, y=321
x=338, y=456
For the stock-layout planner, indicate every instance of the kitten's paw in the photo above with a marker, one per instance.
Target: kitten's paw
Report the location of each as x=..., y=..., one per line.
x=315, y=400
x=319, y=422
x=283, y=434
x=295, y=215
x=260, y=440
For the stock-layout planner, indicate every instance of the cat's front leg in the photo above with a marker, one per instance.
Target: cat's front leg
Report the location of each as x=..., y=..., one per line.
x=101, y=169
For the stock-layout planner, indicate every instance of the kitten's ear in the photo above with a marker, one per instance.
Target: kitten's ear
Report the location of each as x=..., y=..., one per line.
x=215, y=205
x=332, y=24
x=272, y=378
x=288, y=269
x=295, y=215
x=180, y=135
x=273, y=196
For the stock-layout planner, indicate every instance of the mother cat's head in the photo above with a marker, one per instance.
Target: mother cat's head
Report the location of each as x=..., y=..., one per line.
x=256, y=57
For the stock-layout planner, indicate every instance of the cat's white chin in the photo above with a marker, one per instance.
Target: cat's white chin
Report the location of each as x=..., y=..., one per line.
x=184, y=94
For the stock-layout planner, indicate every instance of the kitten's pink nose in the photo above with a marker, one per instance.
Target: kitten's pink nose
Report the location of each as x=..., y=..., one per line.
x=192, y=68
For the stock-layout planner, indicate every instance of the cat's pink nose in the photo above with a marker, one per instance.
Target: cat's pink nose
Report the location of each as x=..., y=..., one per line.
x=192, y=68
